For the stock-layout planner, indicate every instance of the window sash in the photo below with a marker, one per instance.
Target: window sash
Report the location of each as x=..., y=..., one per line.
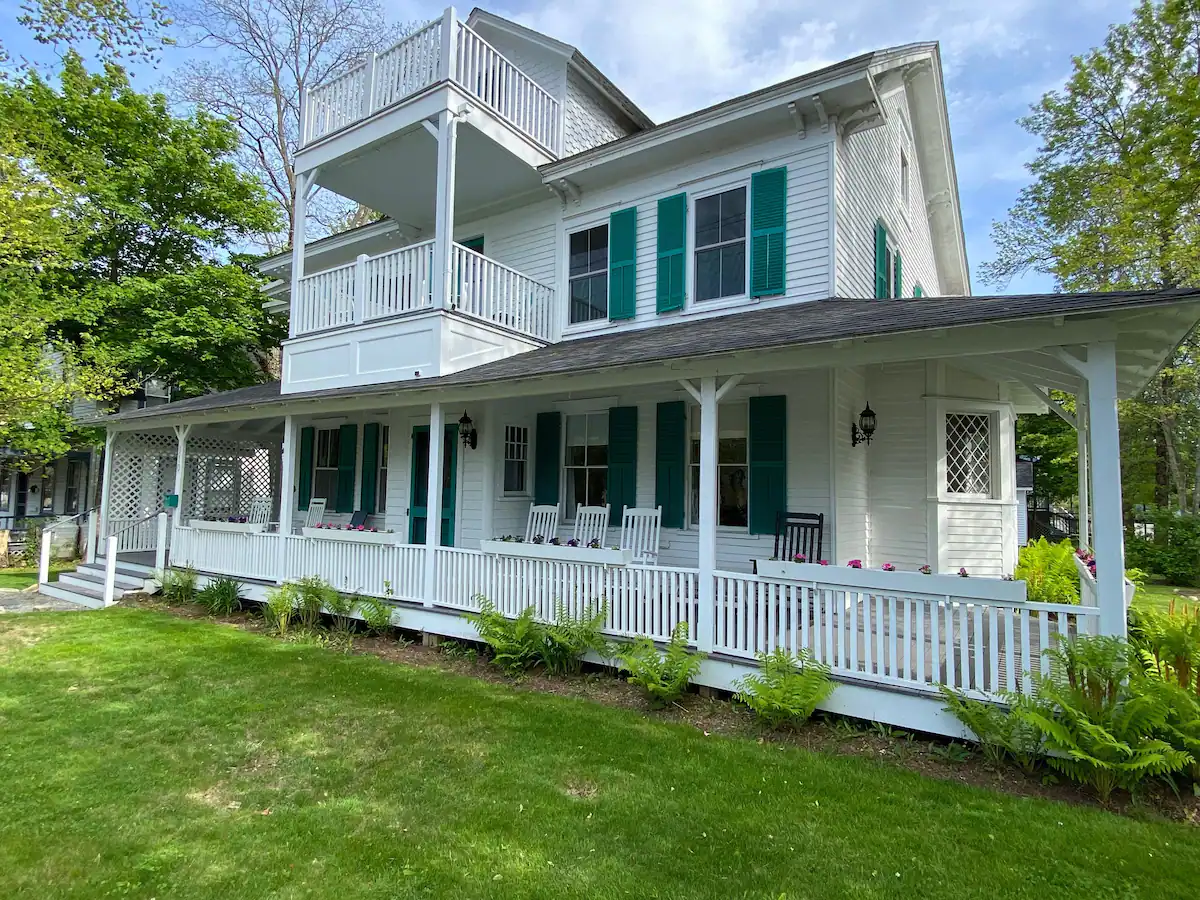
x=381, y=479
x=731, y=283
x=589, y=475
x=516, y=460
x=733, y=457
x=325, y=465
x=969, y=453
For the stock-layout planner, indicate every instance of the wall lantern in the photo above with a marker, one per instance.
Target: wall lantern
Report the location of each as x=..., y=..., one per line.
x=862, y=431
x=466, y=431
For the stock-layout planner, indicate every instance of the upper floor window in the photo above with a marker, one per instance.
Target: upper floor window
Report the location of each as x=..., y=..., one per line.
x=904, y=179
x=325, y=464
x=586, y=461
x=721, y=245
x=588, y=274
x=516, y=459
x=969, y=454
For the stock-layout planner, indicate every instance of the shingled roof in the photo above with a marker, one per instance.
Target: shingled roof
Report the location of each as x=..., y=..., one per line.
x=793, y=325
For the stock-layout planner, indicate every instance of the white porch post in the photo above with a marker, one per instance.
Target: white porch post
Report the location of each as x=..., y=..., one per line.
x=181, y=439
x=705, y=618
x=444, y=213
x=304, y=183
x=433, y=510
x=1081, y=437
x=106, y=485
x=287, y=486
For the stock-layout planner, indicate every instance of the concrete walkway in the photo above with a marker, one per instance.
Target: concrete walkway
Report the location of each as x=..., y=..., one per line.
x=31, y=601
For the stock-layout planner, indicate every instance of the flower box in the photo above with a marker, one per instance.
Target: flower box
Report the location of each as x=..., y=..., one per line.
x=894, y=582
x=243, y=527
x=603, y=556
x=361, y=537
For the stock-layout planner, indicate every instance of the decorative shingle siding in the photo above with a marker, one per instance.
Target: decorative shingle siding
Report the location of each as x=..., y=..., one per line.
x=867, y=188
x=547, y=69
x=590, y=119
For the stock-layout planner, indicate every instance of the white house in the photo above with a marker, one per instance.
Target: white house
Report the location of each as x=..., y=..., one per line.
x=760, y=308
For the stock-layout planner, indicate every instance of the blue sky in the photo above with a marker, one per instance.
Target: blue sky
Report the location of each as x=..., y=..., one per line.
x=675, y=56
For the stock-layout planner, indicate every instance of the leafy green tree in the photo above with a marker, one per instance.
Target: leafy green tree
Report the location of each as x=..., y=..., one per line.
x=115, y=28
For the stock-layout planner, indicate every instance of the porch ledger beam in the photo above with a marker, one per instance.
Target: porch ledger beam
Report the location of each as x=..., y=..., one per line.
x=433, y=510
x=181, y=441
x=444, y=209
x=287, y=487
x=1081, y=438
x=706, y=615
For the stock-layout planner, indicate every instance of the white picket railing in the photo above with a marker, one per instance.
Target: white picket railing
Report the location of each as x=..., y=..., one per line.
x=334, y=104
x=408, y=67
x=371, y=569
x=398, y=282
x=495, y=293
x=484, y=72
x=896, y=637
x=134, y=535
x=234, y=553
x=326, y=300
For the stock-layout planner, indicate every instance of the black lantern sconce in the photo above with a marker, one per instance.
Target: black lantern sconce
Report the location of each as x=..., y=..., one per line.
x=862, y=431
x=466, y=431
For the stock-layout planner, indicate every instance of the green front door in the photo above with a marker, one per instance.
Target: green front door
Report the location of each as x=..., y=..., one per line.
x=418, y=512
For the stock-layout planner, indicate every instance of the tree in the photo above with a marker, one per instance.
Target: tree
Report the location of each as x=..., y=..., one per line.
x=1115, y=198
x=266, y=53
x=116, y=28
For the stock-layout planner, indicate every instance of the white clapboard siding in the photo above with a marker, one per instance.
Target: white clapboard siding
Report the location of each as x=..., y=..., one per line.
x=899, y=467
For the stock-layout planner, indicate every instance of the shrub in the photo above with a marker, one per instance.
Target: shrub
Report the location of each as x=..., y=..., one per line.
x=377, y=614
x=341, y=608
x=787, y=689
x=221, y=596
x=569, y=637
x=1174, y=549
x=280, y=607
x=1049, y=572
x=31, y=553
x=663, y=676
x=516, y=644
x=178, y=585
x=1168, y=644
x=1002, y=736
x=312, y=595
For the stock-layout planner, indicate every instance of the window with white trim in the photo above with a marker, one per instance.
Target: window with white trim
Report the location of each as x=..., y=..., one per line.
x=588, y=274
x=516, y=460
x=381, y=480
x=720, y=234
x=969, y=454
x=586, y=461
x=325, y=464
x=733, y=471
x=904, y=181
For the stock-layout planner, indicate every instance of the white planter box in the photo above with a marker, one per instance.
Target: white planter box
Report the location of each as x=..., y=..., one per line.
x=894, y=582
x=604, y=556
x=243, y=527
x=361, y=537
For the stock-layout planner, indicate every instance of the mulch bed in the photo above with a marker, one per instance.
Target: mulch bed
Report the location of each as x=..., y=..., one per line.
x=715, y=713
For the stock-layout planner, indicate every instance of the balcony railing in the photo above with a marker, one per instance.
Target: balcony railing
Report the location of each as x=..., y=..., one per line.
x=401, y=281
x=444, y=50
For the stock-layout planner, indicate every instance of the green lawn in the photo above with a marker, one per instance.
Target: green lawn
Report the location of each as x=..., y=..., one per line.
x=150, y=756
x=20, y=578
x=1159, y=596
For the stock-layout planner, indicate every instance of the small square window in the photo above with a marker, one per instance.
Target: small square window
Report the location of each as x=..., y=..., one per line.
x=969, y=454
x=516, y=459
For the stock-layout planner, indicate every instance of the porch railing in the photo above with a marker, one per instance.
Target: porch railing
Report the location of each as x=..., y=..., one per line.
x=443, y=50
x=401, y=281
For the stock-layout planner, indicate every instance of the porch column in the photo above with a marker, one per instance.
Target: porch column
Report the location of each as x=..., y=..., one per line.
x=706, y=615
x=1081, y=437
x=433, y=511
x=110, y=439
x=304, y=185
x=287, y=486
x=1108, y=539
x=181, y=439
x=444, y=213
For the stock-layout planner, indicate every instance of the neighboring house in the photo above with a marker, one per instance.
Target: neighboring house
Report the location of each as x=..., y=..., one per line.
x=757, y=309
x=1024, y=489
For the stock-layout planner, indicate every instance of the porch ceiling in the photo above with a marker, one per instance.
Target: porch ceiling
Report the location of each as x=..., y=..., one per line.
x=1024, y=340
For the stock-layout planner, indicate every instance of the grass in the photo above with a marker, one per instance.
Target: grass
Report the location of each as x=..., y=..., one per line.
x=1159, y=596
x=22, y=577
x=151, y=756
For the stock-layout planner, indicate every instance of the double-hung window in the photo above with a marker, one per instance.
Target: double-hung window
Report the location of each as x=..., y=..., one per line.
x=720, y=237
x=516, y=460
x=76, y=485
x=588, y=274
x=325, y=465
x=586, y=461
x=381, y=482
x=733, y=470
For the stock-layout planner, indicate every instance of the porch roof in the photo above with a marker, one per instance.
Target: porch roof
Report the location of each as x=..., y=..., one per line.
x=1147, y=326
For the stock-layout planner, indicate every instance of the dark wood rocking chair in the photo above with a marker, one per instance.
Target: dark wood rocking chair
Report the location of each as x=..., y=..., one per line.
x=799, y=533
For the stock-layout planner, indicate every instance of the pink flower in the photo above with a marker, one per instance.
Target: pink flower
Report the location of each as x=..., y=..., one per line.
x=889, y=567
x=855, y=564
x=800, y=557
x=962, y=573
x=926, y=569
x=824, y=562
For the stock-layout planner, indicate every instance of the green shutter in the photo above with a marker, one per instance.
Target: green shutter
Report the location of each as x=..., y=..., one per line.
x=547, y=448
x=670, y=456
x=917, y=292
x=622, y=264
x=768, y=462
x=622, y=461
x=897, y=282
x=672, y=242
x=347, y=451
x=370, y=468
x=881, y=274
x=304, y=489
x=768, y=232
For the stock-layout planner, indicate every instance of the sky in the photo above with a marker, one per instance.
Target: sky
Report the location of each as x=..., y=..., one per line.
x=675, y=56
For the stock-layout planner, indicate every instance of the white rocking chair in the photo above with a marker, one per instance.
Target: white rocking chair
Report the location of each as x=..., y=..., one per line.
x=640, y=530
x=316, y=512
x=543, y=520
x=591, y=523
x=259, y=511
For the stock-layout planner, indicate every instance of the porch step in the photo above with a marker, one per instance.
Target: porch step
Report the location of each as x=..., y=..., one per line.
x=90, y=578
x=83, y=596
x=85, y=585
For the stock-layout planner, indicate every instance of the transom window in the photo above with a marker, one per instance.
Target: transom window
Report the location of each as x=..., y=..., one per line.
x=586, y=461
x=589, y=274
x=325, y=464
x=733, y=473
x=721, y=245
x=381, y=481
x=969, y=454
x=516, y=459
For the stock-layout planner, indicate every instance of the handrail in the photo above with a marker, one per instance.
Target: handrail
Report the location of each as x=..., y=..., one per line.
x=126, y=527
x=47, y=533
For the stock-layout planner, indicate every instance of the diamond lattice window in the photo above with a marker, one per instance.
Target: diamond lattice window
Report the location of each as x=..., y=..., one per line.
x=968, y=454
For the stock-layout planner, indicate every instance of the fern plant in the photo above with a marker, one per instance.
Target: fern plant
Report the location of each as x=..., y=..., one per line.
x=1049, y=571
x=221, y=596
x=787, y=689
x=663, y=676
x=1002, y=736
x=377, y=615
x=313, y=594
x=1168, y=644
x=280, y=607
x=569, y=637
x=516, y=644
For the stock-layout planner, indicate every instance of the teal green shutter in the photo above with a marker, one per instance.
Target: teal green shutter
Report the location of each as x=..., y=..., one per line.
x=304, y=489
x=347, y=451
x=672, y=242
x=768, y=462
x=670, y=455
x=547, y=448
x=370, y=468
x=622, y=264
x=881, y=274
x=917, y=292
x=768, y=232
x=622, y=461
x=897, y=289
